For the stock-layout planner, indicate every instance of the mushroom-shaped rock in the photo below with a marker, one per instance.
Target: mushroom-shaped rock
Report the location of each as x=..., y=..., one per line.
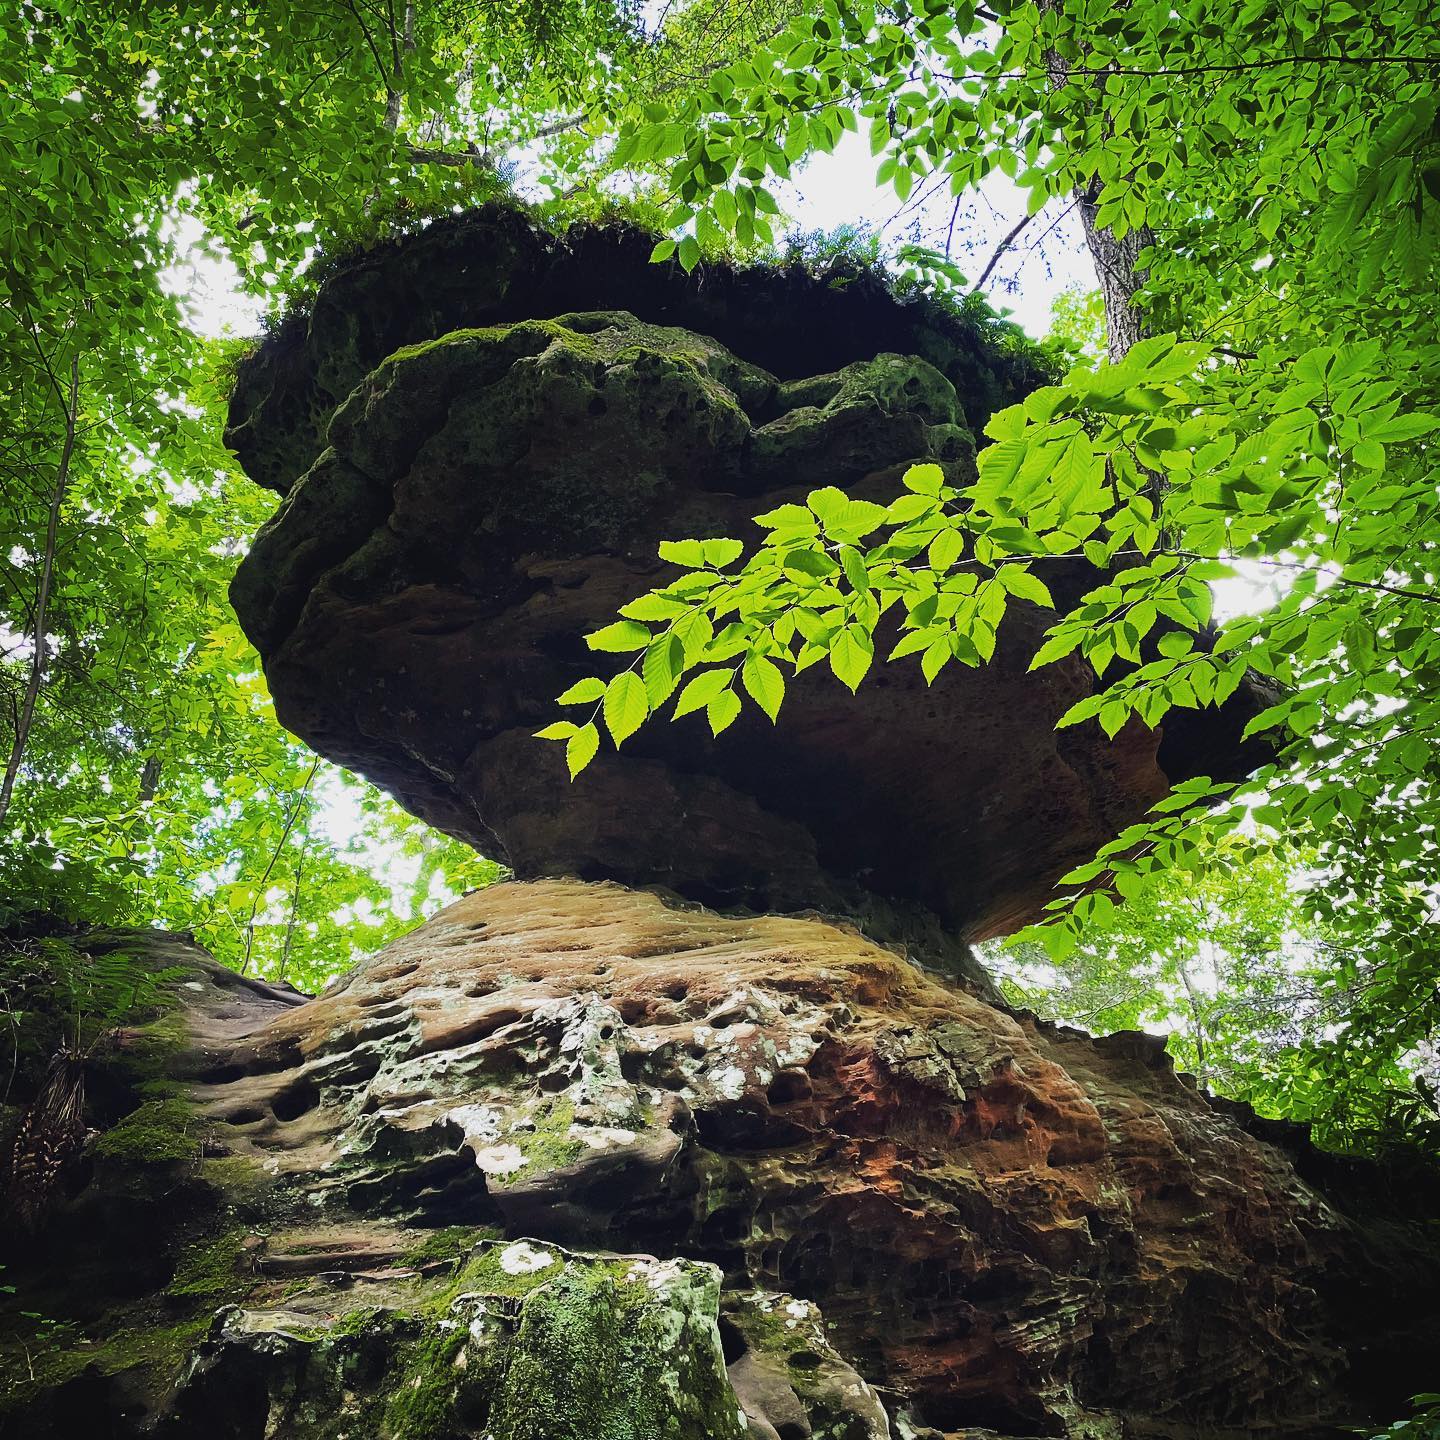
x=478, y=466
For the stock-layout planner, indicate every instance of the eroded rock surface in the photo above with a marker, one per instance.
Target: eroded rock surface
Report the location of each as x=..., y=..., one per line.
x=469, y=489
x=574, y=1162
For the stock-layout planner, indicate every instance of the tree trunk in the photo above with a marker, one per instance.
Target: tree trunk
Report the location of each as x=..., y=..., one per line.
x=1115, y=259
x=402, y=45
x=26, y=717
x=1118, y=272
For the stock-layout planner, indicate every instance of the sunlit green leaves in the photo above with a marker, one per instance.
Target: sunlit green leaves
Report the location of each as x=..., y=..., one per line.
x=626, y=705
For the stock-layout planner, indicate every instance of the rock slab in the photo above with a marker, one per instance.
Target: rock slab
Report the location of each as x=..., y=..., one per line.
x=476, y=476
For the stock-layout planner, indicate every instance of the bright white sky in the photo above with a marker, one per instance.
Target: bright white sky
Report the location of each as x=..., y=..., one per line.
x=1048, y=258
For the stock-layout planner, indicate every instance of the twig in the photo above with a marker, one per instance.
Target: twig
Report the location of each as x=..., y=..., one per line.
x=1000, y=250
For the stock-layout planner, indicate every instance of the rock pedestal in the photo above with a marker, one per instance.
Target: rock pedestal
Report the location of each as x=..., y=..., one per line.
x=570, y=1162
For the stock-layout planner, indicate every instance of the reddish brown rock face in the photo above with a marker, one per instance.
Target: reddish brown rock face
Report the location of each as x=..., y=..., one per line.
x=460, y=512
x=1002, y=1225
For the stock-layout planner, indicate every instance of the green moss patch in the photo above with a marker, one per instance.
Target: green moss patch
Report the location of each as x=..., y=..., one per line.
x=209, y=1270
x=158, y=1132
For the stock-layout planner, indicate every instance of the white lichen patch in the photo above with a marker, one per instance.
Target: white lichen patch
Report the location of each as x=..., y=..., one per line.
x=659, y=1275
x=480, y=1123
x=522, y=1258
x=601, y=1137
x=500, y=1159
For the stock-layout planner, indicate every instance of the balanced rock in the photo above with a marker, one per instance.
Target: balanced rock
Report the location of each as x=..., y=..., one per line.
x=482, y=433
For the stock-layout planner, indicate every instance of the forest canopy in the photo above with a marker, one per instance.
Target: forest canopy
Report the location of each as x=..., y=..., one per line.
x=1259, y=190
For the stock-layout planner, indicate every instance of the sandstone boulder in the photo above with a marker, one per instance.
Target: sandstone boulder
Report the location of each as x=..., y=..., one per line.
x=477, y=472
x=570, y=1162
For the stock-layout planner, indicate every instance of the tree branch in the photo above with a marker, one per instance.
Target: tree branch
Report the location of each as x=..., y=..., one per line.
x=456, y=158
x=1000, y=250
x=561, y=126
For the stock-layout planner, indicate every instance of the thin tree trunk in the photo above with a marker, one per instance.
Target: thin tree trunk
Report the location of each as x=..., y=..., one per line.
x=1115, y=259
x=38, y=659
x=269, y=869
x=1202, y=1069
x=401, y=48
x=287, y=949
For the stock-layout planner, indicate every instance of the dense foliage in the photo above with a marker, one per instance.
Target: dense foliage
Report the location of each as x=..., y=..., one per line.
x=145, y=778
x=1234, y=964
x=1260, y=190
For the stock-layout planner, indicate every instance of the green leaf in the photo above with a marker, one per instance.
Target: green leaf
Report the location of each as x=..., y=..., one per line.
x=924, y=479
x=827, y=502
x=626, y=705
x=936, y=657
x=689, y=553
x=1404, y=427
x=786, y=517
x=854, y=568
x=559, y=730
x=945, y=550
x=1073, y=469
x=765, y=683
x=1023, y=584
x=722, y=711
x=815, y=563
x=623, y=635
x=583, y=692
x=720, y=553
x=1054, y=648
x=689, y=253
x=661, y=667
x=850, y=656
x=1370, y=453
x=701, y=691
x=662, y=251
x=581, y=750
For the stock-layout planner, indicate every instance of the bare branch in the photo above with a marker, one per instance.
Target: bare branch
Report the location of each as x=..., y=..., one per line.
x=1000, y=250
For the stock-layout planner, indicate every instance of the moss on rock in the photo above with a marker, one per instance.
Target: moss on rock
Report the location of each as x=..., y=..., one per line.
x=521, y=1341
x=208, y=1269
x=158, y=1132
